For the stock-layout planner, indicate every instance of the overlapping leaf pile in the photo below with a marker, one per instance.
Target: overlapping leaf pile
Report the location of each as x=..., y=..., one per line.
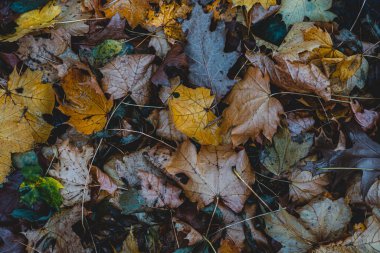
x=189, y=126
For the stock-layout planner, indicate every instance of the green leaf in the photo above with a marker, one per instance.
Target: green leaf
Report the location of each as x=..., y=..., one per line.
x=294, y=11
x=30, y=215
x=21, y=160
x=50, y=191
x=286, y=151
x=31, y=173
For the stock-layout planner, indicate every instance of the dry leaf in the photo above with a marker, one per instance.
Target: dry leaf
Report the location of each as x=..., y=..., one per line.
x=222, y=10
x=85, y=102
x=36, y=99
x=251, y=109
x=304, y=186
x=258, y=12
x=167, y=18
x=166, y=128
x=33, y=20
x=130, y=244
x=158, y=192
x=250, y=3
x=227, y=246
x=209, y=174
x=57, y=236
x=105, y=182
x=135, y=11
x=129, y=74
x=72, y=170
x=192, y=235
x=191, y=114
x=160, y=44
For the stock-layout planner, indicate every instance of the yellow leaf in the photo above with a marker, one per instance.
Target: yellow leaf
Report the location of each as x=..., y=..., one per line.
x=135, y=11
x=348, y=67
x=251, y=109
x=191, y=113
x=85, y=103
x=249, y=3
x=317, y=34
x=222, y=10
x=15, y=135
x=36, y=99
x=167, y=19
x=33, y=20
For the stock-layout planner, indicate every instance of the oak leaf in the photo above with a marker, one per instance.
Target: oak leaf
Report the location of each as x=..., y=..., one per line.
x=294, y=11
x=285, y=151
x=208, y=63
x=135, y=11
x=209, y=174
x=252, y=110
x=72, y=170
x=191, y=114
x=158, y=192
x=33, y=20
x=85, y=102
x=129, y=74
x=250, y=3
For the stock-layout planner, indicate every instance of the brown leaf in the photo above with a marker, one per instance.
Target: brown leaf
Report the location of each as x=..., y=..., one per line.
x=258, y=12
x=208, y=174
x=189, y=233
x=158, y=192
x=129, y=74
x=252, y=110
x=175, y=58
x=104, y=181
x=293, y=76
x=367, y=119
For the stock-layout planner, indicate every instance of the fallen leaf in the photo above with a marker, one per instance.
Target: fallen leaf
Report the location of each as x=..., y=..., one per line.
x=191, y=114
x=35, y=98
x=167, y=18
x=293, y=76
x=57, y=234
x=33, y=20
x=135, y=11
x=129, y=74
x=294, y=11
x=71, y=11
x=250, y=3
x=85, y=102
x=209, y=174
x=192, y=235
x=285, y=151
x=73, y=172
x=347, y=67
x=175, y=58
x=289, y=231
x=259, y=13
x=304, y=186
x=222, y=10
x=325, y=218
x=130, y=244
x=160, y=44
x=208, y=63
x=158, y=192
x=105, y=182
x=227, y=246
x=252, y=110
x=166, y=129
x=367, y=119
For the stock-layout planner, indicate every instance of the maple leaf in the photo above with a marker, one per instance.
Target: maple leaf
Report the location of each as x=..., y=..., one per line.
x=85, y=102
x=73, y=172
x=129, y=74
x=222, y=10
x=158, y=192
x=304, y=186
x=251, y=109
x=167, y=19
x=208, y=63
x=250, y=3
x=15, y=135
x=191, y=114
x=36, y=99
x=286, y=151
x=165, y=127
x=135, y=11
x=294, y=11
x=58, y=230
x=209, y=174
x=293, y=76
x=32, y=21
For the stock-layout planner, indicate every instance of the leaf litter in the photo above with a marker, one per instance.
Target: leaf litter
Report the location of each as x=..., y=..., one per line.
x=225, y=125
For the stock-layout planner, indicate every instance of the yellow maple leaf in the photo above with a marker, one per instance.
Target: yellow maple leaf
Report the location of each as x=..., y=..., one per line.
x=33, y=20
x=250, y=3
x=85, y=103
x=167, y=19
x=191, y=114
x=15, y=135
x=35, y=98
x=347, y=67
x=135, y=11
x=222, y=10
